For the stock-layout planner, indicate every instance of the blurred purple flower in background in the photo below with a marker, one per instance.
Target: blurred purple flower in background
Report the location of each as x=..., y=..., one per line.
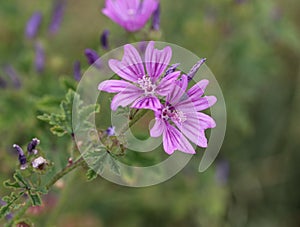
x=39, y=61
x=2, y=83
x=156, y=19
x=77, y=70
x=139, y=87
x=222, y=171
x=57, y=16
x=104, y=39
x=13, y=75
x=33, y=25
x=132, y=15
x=92, y=57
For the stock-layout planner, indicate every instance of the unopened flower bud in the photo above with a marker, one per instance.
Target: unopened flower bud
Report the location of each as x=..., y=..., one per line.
x=172, y=68
x=195, y=69
x=31, y=147
x=22, y=157
x=104, y=39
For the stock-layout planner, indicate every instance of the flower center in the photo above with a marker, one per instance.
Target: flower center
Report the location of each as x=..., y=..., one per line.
x=170, y=112
x=146, y=84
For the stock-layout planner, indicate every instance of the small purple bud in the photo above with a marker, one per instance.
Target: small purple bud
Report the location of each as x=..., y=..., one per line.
x=172, y=68
x=77, y=70
x=110, y=131
x=22, y=157
x=57, y=16
x=18, y=149
x=11, y=72
x=156, y=19
x=9, y=216
x=104, y=39
x=92, y=57
x=39, y=57
x=222, y=172
x=33, y=25
x=31, y=147
x=195, y=69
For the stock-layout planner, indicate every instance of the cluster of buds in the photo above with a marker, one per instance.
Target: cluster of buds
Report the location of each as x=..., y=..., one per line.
x=37, y=163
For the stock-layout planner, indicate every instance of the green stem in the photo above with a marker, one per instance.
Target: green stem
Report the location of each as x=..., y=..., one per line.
x=65, y=171
x=20, y=213
x=137, y=117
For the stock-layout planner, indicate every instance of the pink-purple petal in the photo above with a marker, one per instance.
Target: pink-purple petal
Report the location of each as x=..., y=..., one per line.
x=175, y=140
x=158, y=128
x=157, y=60
x=126, y=97
x=113, y=86
x=131, y=67
x=198, y=89
x=167, y=83
x=177, y=92
x=147, y=102
x=192, y=130
x=204, y=102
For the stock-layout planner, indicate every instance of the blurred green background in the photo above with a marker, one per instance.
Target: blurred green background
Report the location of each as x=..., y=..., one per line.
x=253, y=49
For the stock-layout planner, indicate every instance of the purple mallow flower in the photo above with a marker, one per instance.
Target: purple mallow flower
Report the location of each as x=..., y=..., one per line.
x=156, y=19
x=138, y=87
x=222, y=171
x=57, y=16
x=33, y=25
x=104, y=39
x=132, y=15
x=77, y=70
x=39, y=57
x=2, y=83
x=180, y=117
x=22, y=157
x=31, y=147
x=14, y=76
x=195, y=69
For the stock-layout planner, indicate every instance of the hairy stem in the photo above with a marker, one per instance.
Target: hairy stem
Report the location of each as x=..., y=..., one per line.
x=65, y=171
x=137, y=116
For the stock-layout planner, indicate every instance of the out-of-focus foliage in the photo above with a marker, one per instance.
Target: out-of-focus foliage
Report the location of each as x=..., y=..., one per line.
x=252, y=47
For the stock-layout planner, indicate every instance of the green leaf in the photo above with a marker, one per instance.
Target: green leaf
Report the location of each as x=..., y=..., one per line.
x=114, y=167
x=100, y=158
x=35, y=198
x=20, y=179
x=58, y=130
x=48, y=103
x=4, y=210
x=13, y=185
x=68, y=84
x=62, y=122
x=91, y=175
